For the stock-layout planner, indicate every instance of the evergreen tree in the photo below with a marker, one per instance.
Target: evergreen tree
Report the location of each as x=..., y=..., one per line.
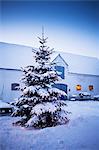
x=39, y=104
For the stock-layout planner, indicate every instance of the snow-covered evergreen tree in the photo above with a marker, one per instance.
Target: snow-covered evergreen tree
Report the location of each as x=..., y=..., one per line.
x=40, y=105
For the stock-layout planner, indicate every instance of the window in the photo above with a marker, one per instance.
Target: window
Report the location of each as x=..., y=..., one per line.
x=15, y=86
x=78, y=87
x=60, y=71
x=90, y=87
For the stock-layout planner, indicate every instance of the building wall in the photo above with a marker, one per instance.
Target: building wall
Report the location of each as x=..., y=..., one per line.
x=11, y=52
x=74, y=79
x=7, y=77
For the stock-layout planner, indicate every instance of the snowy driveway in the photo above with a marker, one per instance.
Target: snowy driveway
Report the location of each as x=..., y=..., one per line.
x=81, y=133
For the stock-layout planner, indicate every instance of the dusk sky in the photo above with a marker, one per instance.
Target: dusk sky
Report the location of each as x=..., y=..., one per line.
x=70, y=26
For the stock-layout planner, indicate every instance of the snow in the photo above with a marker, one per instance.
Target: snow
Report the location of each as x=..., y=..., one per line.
x=81, y=133
x=96, y=96
x=4, y=105
x=83, y=109
x=29, y=89
x=10, y=51
x=31, y=121
x=25, y=106
x=85, y=93
x=56, y=90
x=43, y=93
x=45, y=107
x=88, y=65
x=49, y=73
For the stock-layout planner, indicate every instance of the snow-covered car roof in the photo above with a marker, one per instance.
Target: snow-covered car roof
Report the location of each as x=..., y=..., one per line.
x=96, y=96
x=85, y=93
x=4, y=105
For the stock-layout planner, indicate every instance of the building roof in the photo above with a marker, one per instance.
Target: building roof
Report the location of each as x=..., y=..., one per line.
x=14, y=56
x=80, y=64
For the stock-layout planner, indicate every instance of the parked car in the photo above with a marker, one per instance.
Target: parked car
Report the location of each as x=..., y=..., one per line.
x=5, y=108
x=84, y=96
x=96, y=97
x=80, y=96
x=73, y=98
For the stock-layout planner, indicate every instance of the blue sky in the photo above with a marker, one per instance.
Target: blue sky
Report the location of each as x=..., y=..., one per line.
x=72, y=26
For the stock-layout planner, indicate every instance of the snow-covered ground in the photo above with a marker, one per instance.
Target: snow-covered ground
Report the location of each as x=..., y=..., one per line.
x=81, y=133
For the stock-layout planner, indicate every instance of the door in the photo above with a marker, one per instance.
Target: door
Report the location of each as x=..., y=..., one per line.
x=62, y=87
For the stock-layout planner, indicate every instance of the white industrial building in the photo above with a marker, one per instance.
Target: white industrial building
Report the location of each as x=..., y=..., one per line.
x=78, y=73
